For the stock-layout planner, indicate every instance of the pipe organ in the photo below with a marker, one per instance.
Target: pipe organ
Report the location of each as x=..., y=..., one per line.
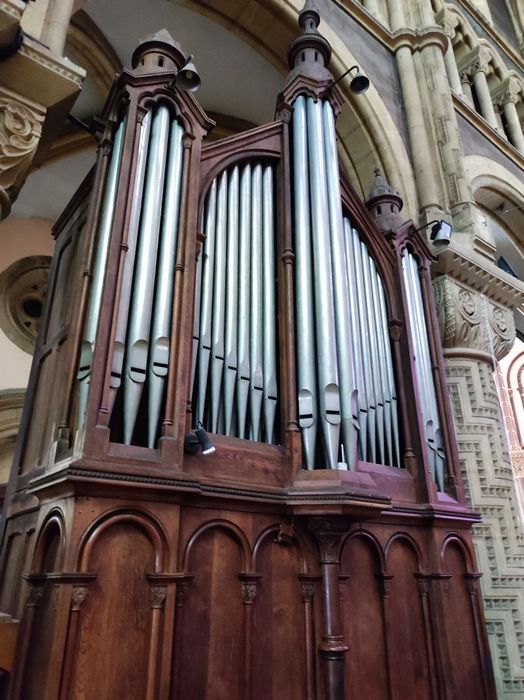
x=243, y=286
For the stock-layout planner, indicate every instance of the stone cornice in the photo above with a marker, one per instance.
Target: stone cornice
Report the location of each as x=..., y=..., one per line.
x=480, y=275
x=40, y=76
x=475, y=119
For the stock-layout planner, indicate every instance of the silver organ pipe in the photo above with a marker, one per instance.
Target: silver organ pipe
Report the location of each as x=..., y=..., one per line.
x=158, y=361
x=143, y=324
x=328, y=389
x=423, y=368
x=132, y=236
x=138, y=333
x=235, y=392
x=346, y=384
x=305, y=319
x=99, y=268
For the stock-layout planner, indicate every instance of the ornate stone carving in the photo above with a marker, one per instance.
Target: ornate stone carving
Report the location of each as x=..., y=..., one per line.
x=20, y=131
x=470, y=320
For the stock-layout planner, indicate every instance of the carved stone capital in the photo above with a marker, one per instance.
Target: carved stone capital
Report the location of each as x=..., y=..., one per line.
x=20, y=131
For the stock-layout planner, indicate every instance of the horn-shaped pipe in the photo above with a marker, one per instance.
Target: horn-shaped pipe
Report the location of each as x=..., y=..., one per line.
x=219, y=283
x=305, y=319
x=99, y=270
x=329, y=394
x=231, y=331
x=348, y=394
x=137, y=345
x=244, y=330
x=269, y=307
x=256, y=386
x=127, y=278
x=206, y=303
x=161, y=326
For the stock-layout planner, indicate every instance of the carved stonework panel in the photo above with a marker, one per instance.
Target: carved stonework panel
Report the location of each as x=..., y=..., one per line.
x=470, y=320
x=20, y=131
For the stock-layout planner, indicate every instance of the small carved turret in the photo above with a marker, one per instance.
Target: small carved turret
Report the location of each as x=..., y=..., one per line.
x=384, y=204
x=310, y=53
x=158, y=52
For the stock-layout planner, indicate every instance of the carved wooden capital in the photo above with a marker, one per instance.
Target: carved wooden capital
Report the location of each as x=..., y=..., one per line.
x=157, y=596
x=249, y=592
x=328, y=533
x=384, y=584
x=78, y=596
x=34, y=597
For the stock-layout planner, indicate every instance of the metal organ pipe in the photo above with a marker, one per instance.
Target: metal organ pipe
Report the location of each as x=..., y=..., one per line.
x=158, y=361
x=423, y=366
x=138, y=335
x=305, y=319
x=348, y=393
x=99, y=269
x=328, y=389
x=237, y=395
x=134, y=221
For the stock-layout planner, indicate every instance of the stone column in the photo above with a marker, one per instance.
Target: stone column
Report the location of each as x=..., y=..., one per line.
x=452, y=70
x=59, y=15
x=512, y=119
x=466, y=88
x=480, y=82
x=476, y=330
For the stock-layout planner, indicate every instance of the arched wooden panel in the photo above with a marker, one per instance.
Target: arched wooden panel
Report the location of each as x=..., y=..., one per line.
x=464, y=674
x=115, y=665
x=49, y=555
x=362, y=612
x=280, y=631
x=209, y=644
x=407, y=643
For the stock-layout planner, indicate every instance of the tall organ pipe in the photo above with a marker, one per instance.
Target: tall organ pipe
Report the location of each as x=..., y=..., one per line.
x=365, y=344
x=138, y=339
x=356, y=341
x=269, y=307
x=99, y=269
x=218, y=307
x=348, y=393
x=244, y=330
x=256, y=340
x=329, y=395
x=125, y=300
x=231, y=330
x=158, y=362
x=305, y=331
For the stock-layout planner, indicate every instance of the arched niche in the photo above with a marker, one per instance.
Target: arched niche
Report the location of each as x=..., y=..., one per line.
x=362, y=569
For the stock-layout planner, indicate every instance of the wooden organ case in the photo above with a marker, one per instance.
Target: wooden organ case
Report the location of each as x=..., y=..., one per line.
x=323, y=550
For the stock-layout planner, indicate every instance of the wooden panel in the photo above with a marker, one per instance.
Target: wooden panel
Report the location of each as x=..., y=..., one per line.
x=366, y=671
x=464, y=676
x=211, y=631
x=114, y=665
x=410, y=680
x=278, y=624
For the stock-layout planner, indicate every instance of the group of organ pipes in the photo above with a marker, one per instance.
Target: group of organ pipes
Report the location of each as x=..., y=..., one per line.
x=346, y=384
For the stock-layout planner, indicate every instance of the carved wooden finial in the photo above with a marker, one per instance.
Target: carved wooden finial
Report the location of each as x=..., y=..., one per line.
x=384, y=203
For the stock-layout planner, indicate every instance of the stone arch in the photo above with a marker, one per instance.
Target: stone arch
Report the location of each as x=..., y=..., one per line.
x=232, y=530
x=139, y=518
